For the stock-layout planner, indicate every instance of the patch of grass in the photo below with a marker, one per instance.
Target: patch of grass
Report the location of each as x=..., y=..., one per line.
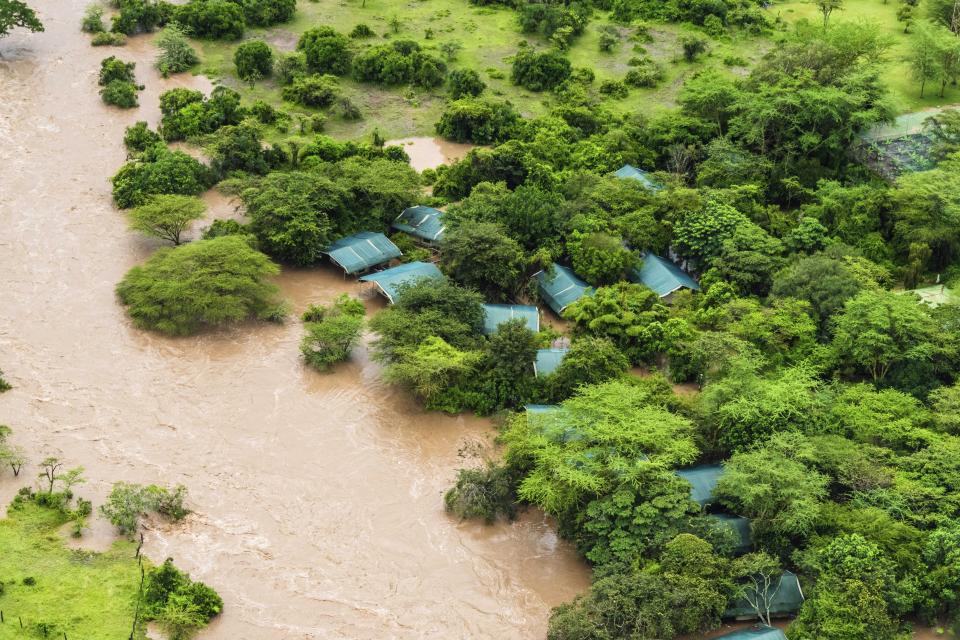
x=83, y=594
x=489, y=37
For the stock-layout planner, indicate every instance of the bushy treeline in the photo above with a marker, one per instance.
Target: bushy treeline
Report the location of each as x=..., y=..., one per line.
x=217, y=19
x=828, y=397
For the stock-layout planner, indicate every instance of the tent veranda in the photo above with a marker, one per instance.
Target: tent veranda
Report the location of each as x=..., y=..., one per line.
x=362, y=251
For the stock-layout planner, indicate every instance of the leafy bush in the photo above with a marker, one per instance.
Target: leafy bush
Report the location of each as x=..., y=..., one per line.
x=108, y=39
x=176, y=54
x=166, y=588
x=187, y=114
x=312, y=91
x=202, y=284
x=478, y=121
x=112, y=69
x=400, y=62
x=539, y=71
x=361, y=31
x=4, y=386
x=332, y=332
x=139, y=16
x=614, y=89
x=253, y=59
x=120, y=93
x=265, y=13
x=139, y=137
x=485, y=493
x=92, y=19
x=646, y=73
x=167, y=216
x=159, y=170
x=693, y=46
x=465, y=83
x=287, y=67
x=217, y=19
x=325, y=51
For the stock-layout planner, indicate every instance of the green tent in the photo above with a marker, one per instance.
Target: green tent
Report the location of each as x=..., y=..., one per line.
x=754, y=633
x=740, y=526
x=361, y=251
x=547, y=361
x=389, y=281
x=785, y=598
x=496, y=314
x=421, y=222
x=560, y=287
x=630, y=172
x=661, y=276
x=703, y=480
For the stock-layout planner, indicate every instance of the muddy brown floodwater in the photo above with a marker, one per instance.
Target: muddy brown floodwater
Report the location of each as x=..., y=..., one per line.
x=317, y=497
x=430, y=153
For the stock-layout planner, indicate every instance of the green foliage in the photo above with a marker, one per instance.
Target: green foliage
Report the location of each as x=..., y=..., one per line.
x=253, y=58
x=159, y=171
x=120, y=94
x=485, y=492
x=108, y=39
x=128, y=503
x=312, y=91
x=700, y=234
x=187, y=113
x=431, y=367
x=180, y=605
x=166, y=216
x=599, y=258
x=4, y=385
x=539, y=71
x=478, y=121
x=465, y=83
x=215, y=19
x=206, y=283
x=139, y=16
x=176, y=54
x=92, y=19
x=400, y=62
x=482, y=257
x=332, y=332
x=14, y=13
x=139, y=137
x=590, y=360
x=325, y=51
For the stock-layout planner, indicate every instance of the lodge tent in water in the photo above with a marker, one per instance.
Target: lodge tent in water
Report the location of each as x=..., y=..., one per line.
x=784, y=597
x=389, y=281
x=754, y=633
x=362, y=251
x=560, y=287
x=703, y=480
x=662, y=276
x=496, y=314
x=424, y=223
x=630, y=172
x=547, y=361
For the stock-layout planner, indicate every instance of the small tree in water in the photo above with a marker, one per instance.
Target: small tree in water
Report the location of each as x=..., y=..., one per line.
x=167, y=216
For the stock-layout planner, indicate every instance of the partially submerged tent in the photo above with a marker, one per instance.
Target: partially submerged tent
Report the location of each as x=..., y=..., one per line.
x=389, y=281
x=740, y=527
x=548, y=360
x=630, y=172
x=497, y=314
x=754, y=633
x=662, y=276
x=562, y=288
x=425, y=223
x=703, y=480
x=361, y=251
x=784, y=598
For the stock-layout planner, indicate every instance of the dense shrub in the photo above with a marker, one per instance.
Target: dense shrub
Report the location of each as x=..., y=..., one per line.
x=166, y=588
x=400, y=62
x=187, y=113
x=312, y=91
x=325, y=51
x=176, y=54
x=465, y=83
x=331, y=332
x=539, y=71
x=92, y=19
x=138, y=16
x=478, y=121
x=646, y=73
x=217, y=19
x=485, y=492
x=265, y=13
x=202, y=284
x=108, y=39
x=159, y=170
x=253, y=59
x=120, y=94
x=361, y=31
x=113, y=69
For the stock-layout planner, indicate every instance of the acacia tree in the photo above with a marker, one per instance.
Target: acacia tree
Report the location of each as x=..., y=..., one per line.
x=167, y=216
x=759, y=582
x=827, y=7
x=15, y=13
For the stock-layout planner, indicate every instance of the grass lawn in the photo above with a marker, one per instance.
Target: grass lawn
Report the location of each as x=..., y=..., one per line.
x=88, y=596
x=489, y=37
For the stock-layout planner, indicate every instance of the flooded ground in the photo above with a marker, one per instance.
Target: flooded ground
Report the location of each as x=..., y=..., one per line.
x=317, y=497
x=430, y=153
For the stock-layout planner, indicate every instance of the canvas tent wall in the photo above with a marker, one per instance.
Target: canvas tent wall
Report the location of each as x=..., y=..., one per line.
x=561, y=288
x=703, y=480
x=425, y=223
x=497, y=314
x=754, y=633
x=785, y=597
x=548, y=360
x=662, y=276
x=630, y=172
x=362, y=251
x=389, y=281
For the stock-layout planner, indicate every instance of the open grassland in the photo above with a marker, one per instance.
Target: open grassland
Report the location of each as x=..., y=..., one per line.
x=490, y=36
x=86, y=595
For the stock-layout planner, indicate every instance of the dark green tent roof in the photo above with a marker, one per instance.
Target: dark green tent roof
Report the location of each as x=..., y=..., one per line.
x=785, y=595
x=560, y=287
x=496, y=314
x=389, y=281
x=422, y=222
x=703, y=480
x=630, y=172
x=661, y=275
x=755, y=633
x=362, y=251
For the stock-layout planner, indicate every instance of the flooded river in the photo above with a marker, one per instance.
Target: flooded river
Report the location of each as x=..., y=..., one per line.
x=317, y=497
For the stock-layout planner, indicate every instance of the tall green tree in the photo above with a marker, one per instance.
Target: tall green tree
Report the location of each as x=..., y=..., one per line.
x=15, y=13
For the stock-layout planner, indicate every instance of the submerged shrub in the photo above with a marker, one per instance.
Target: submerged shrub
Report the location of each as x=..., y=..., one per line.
x=176, y=54
x=486, y=492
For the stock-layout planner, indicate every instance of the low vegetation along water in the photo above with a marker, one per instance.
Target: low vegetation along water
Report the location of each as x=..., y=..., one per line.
x=317, y=497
